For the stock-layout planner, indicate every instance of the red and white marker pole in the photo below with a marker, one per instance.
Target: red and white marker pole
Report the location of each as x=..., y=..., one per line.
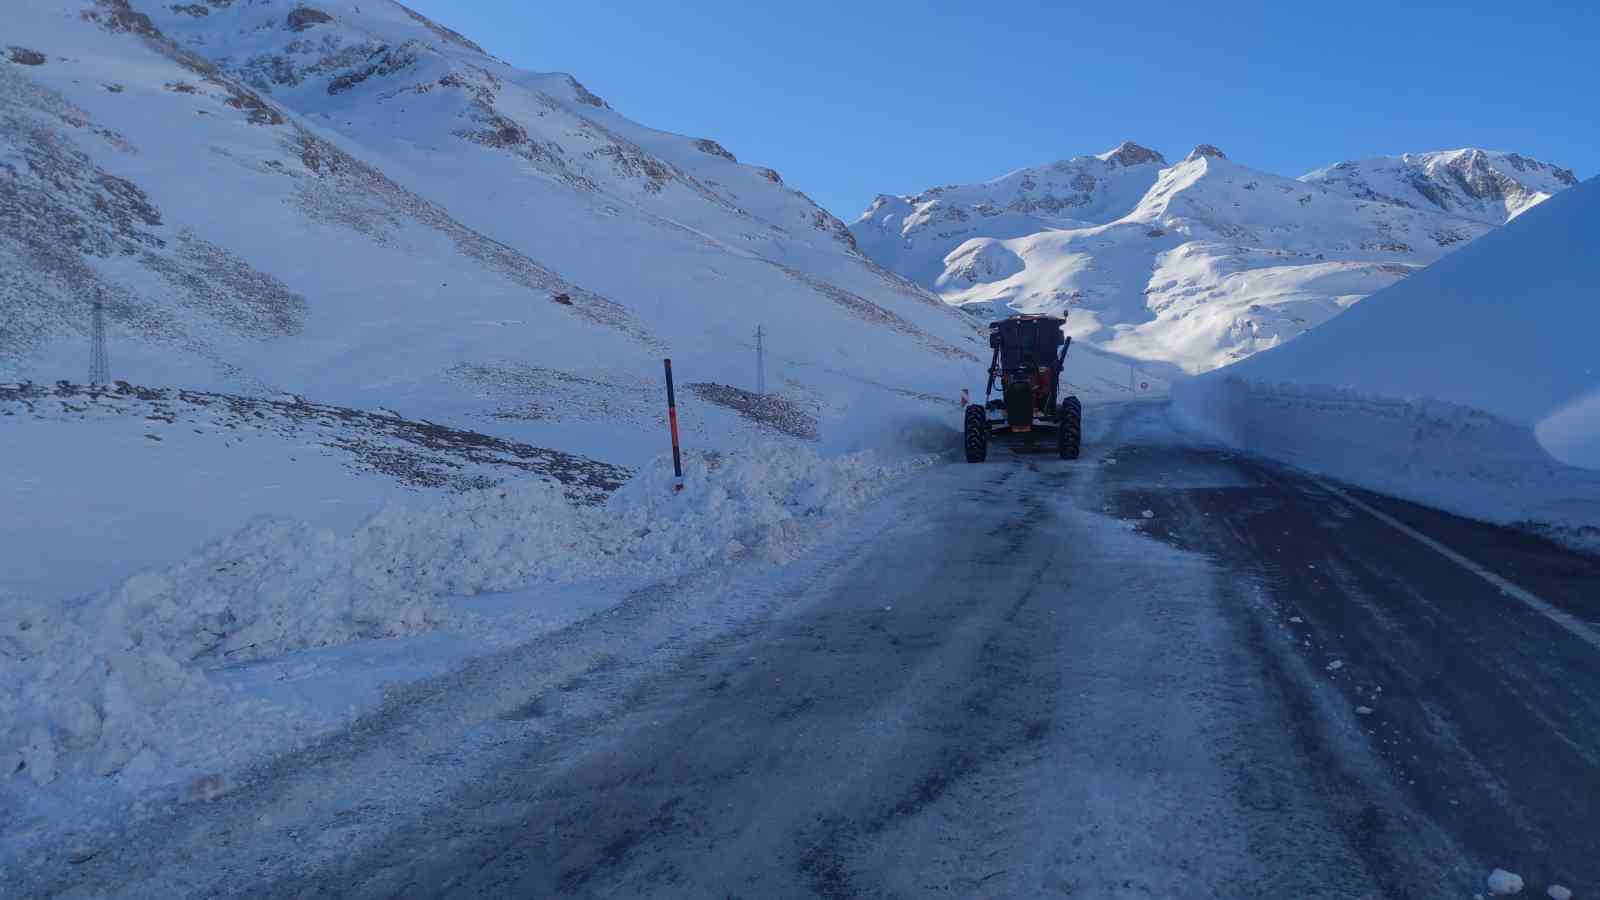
x=672, y=422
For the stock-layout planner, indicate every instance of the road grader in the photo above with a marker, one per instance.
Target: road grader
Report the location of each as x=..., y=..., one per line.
x=1029, y=353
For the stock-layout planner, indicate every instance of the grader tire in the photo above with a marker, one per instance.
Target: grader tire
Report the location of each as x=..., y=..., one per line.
x=976, y=434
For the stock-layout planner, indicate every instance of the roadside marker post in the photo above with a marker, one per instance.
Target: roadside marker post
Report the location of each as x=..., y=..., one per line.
x=672, y=422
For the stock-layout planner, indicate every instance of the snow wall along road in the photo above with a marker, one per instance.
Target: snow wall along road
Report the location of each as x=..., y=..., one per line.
x=1473, y=386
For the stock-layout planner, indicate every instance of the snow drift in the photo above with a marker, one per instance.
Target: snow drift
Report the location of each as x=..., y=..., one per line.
x=1473, y=385
x=117, y=684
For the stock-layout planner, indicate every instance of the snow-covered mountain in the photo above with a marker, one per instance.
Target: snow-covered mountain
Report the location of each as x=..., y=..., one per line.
x=913, y=235
x=1199, y=263
x=1488, y=187
x=348, y=201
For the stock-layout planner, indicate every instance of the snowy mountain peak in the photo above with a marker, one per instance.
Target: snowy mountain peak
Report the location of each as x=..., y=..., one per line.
x=1199, y=263
x=1205, y=150
x=1483, y=185
x=585, y=96
x=1128, y=153
x=918, y=235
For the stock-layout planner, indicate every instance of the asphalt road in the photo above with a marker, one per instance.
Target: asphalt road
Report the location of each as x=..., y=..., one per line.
x=1004, y=680
x=1484, y=719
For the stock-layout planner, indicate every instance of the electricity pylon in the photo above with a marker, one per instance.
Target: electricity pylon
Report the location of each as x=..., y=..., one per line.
x=99, y=367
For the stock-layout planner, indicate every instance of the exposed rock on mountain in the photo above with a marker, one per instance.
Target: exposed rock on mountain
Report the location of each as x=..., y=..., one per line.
x=304, y=17
x=1473, y=184
x=22, y=56
x=1128, y=153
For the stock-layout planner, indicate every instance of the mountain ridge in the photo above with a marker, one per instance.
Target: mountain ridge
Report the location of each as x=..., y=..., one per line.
x=350, y=202
x=1213, y=260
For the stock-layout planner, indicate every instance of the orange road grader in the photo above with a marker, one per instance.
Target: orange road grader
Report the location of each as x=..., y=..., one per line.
x=1029, y=354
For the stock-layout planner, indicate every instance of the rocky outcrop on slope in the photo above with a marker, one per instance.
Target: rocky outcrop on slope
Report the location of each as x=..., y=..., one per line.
x=1204, y=150
x=1481, y=185
x=414, y=452
x=1128, y=153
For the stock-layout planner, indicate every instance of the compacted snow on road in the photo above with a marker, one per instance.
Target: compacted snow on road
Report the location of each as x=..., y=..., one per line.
x=1031, y=677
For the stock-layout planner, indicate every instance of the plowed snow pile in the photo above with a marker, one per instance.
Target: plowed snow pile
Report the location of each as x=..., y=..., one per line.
x=1473, y=385
x=118, y=684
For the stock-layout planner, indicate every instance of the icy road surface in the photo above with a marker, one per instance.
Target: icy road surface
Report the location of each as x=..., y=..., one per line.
x=1002, y=680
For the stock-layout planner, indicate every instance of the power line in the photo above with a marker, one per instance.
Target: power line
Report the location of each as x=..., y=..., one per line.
x=99, y=367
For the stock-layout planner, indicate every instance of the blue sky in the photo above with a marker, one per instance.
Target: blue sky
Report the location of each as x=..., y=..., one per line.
x=851, y=99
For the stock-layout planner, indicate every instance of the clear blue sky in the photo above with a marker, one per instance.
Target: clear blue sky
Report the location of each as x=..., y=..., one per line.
x=851, y=99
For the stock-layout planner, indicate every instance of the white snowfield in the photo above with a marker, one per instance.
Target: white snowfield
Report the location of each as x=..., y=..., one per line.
x=1473, y=386
x=1202, y=262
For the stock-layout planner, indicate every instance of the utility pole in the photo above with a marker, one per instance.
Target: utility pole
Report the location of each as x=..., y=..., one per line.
x=761, y=364
x=99, y=368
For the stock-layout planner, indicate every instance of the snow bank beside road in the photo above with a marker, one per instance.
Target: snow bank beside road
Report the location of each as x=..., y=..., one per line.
x=1446, y=455
x=117, y=685
x=1472, y=385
